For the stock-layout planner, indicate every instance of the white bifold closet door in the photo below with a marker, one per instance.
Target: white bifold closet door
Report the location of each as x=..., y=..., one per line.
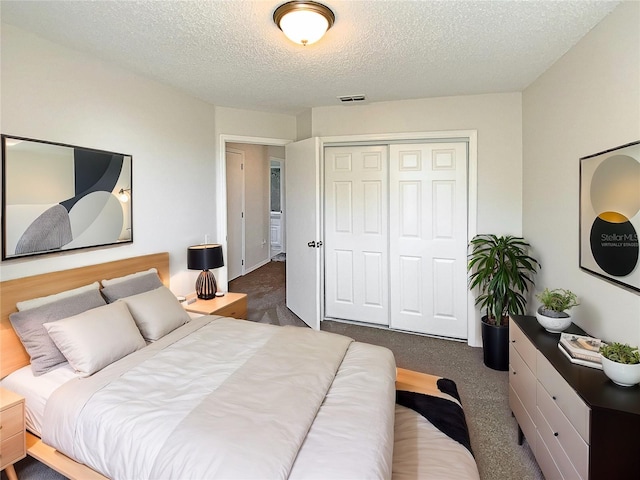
x=428, y=238
x=356, y=233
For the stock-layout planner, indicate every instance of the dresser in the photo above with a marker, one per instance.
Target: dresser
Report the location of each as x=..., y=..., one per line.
x=578, y=423
x=12, y=431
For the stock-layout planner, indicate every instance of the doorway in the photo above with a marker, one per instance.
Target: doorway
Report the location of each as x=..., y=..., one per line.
x=395, y=230
x=248, y=205
x=277, y=203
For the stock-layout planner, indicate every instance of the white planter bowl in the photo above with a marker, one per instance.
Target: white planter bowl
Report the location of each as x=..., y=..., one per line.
x=620, y=373
x=553, y=325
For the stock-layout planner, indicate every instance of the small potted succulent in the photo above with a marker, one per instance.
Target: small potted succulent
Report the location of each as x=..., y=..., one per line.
x=621, y=363
x=553, y=312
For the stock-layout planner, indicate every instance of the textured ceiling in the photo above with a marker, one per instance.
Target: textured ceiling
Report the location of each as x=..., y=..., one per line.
x=230, y=53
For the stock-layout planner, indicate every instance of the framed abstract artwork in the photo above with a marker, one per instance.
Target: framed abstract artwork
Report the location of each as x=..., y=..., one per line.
x=58, y=197
x=610, y=215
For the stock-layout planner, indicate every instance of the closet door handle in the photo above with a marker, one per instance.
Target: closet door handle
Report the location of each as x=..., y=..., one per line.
x=311, y=244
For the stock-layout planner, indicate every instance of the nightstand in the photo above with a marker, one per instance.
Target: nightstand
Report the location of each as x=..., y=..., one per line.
x=231, y=305
x=12, y=431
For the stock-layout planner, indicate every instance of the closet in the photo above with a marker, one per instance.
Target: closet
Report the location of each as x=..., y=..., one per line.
x=395, y=231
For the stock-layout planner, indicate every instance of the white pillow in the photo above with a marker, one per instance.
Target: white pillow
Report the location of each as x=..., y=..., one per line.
x=156, y=312
x=113, y=281
x=38, y=302
x=96, y=338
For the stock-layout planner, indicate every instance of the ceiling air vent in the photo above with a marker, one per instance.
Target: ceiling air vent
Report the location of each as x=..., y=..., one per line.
x=352, y=98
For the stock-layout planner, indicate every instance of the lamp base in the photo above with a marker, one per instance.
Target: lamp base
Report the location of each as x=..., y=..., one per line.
x=206, y=285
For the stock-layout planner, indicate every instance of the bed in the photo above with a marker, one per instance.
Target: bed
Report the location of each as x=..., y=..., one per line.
x=215, y=397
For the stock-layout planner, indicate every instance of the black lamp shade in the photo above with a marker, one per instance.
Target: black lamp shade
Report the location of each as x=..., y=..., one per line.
x=204, y=257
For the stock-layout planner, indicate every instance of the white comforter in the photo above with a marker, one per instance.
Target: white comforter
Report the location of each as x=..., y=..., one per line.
x=221, y=398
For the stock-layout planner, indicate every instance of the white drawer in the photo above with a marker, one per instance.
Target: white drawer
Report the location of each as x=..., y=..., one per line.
x=525, y=348
x=524, y=418
x=522, y=380
x=545, y=461
x=564, y=396
x=569, y=450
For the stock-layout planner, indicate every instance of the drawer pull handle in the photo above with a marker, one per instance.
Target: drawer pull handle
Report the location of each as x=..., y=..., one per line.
x=554, y=397
x=555, y=434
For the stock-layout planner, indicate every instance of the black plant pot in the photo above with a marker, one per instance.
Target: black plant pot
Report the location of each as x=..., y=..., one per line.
x=495, y=342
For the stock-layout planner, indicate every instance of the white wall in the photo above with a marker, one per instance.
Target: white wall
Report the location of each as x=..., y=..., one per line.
x=52, y=93
x=587, y=102
x=496, y=117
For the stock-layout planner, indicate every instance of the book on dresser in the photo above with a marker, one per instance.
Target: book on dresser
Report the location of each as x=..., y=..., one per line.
x=581, y=349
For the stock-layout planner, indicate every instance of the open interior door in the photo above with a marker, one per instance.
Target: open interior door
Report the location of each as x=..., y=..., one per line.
x=302, y=180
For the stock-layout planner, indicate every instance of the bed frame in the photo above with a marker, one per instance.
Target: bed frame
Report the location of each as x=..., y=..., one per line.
x=13, y=355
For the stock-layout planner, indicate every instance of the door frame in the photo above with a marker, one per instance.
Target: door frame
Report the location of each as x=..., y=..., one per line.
x=221, y=191
x=474, y=337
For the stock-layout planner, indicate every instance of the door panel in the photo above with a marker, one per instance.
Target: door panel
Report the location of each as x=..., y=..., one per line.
x=276, y=232
x=302, y=177
x=428, y=238
x=410, y=286
x=374, y=272
x=235, y=218
x=344, y=276
x=356, y=244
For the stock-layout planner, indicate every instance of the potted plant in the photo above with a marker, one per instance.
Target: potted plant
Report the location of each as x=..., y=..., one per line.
x=553, y=314
x=502, y=270
x=621, y=363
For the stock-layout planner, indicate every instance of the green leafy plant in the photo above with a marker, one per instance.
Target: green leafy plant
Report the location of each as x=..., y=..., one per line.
x=621, y=353
x=502, y=270
x=558, y=299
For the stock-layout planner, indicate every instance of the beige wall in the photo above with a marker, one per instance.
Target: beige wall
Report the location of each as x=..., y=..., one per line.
x=256, y=204
x=52, y=93
x=304, y=125
x=587, y=102
x=496, y=117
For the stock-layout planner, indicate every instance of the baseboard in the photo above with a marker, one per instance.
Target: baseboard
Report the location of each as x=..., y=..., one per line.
x=257, y=266
x=390, y=329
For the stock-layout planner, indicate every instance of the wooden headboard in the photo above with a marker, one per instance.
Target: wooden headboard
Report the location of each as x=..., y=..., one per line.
x=12, y=354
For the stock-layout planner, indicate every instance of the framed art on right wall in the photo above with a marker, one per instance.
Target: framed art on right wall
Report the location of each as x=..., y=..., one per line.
x=610, y=215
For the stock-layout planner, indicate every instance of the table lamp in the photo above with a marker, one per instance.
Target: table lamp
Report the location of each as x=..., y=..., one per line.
x=205, y=257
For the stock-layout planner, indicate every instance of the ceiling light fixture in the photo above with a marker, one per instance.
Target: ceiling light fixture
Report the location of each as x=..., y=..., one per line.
x=303, y=22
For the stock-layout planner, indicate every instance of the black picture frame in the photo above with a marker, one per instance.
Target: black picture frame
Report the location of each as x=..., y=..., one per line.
x=58, y=197
x=610, y=215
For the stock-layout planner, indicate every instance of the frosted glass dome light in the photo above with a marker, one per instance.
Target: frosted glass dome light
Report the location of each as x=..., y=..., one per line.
x=303, y=22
